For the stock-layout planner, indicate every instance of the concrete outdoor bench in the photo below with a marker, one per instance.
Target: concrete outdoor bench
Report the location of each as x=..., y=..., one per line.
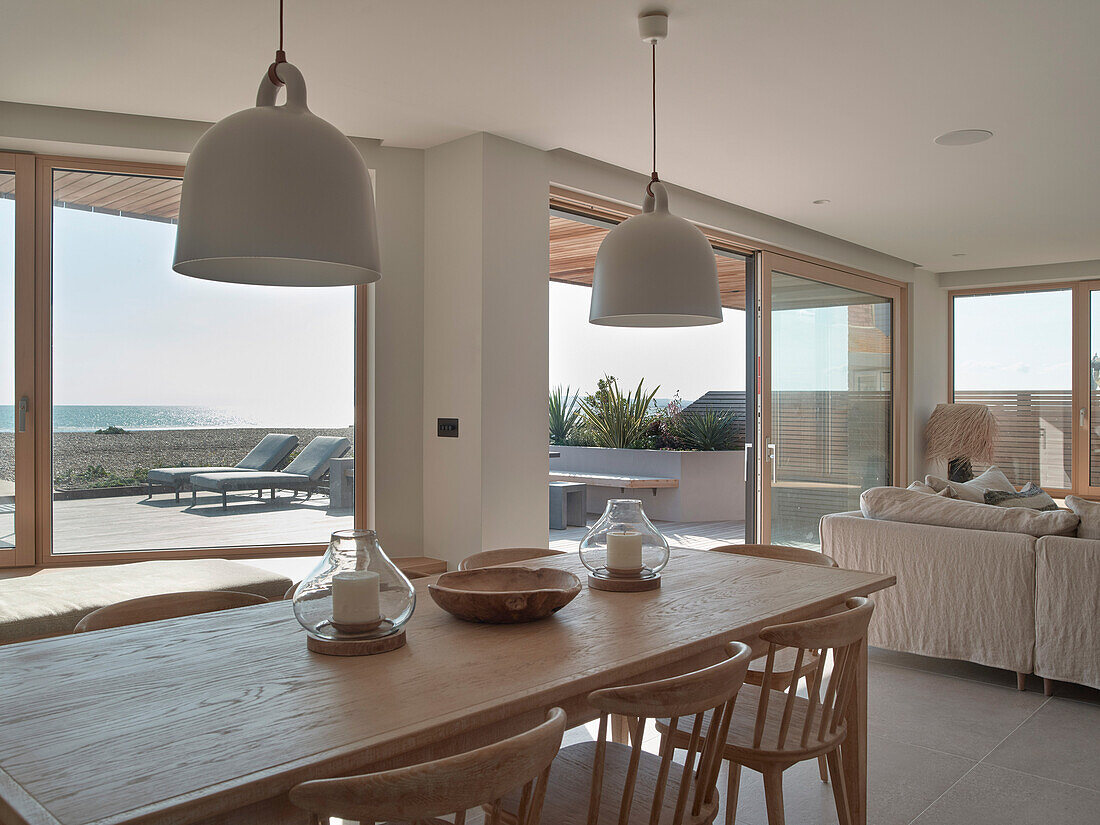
x=50, y=602
x=623, y=482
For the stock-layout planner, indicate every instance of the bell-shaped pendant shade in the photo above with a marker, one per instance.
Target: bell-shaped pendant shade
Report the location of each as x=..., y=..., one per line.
x=275, y=195
x=655, y=270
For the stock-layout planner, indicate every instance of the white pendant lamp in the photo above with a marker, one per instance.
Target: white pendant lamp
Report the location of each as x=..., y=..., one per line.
x=655, y=269
x=275, y=195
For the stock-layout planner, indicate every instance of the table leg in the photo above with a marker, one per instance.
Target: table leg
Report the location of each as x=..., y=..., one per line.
x=620, y=729
x=854, y=750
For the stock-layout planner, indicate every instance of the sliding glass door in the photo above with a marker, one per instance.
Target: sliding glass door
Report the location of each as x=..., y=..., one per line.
x=830, y=420
x=145, y=375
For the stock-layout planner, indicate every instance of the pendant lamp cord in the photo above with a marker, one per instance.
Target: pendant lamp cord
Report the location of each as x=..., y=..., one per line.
x=653, y=177
x=280, y=55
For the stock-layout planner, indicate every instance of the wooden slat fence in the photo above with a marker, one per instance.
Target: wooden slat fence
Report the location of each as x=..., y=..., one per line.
x=1035, y=438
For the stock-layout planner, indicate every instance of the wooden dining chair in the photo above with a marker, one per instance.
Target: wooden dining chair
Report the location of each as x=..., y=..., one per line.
x=165, y=606
x=423, y=793
x=771, y=731
x=609, y=782
x=505, y=555
x=784, y=658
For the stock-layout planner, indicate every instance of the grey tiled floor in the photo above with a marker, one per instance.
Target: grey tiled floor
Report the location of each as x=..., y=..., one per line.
x=951, y=742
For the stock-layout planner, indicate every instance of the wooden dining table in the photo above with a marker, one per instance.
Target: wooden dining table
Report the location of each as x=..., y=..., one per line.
x=213, y=718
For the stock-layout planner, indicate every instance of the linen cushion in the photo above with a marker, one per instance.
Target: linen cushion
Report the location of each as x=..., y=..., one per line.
x=921, y=487
x=1032, y=495
x=975, y=489
x=895, y=504
x=1089, y=512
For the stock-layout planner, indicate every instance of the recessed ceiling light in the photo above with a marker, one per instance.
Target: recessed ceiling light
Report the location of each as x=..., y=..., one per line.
x=822, y=201
x=963, y=137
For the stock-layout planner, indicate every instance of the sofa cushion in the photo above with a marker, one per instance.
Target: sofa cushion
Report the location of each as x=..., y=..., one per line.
x=895, y=504
x=1032, y=496
x=50, y=602
x=1089, y=513
x=975, y=489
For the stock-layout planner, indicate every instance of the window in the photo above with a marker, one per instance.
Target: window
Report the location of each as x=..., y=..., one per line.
x=1013, y=352
x=152, y=369
x=129, y=368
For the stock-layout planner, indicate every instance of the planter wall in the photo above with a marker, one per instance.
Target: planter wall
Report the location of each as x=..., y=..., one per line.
x=712, y=484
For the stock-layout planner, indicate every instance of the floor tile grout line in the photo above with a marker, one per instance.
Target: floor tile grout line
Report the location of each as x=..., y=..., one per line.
x=980, y=762
x=995, y=766
x=936, y=751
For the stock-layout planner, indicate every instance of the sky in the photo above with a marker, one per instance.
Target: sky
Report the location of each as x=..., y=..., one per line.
x=128, y=330
x=688, y=360
x=1019, y=341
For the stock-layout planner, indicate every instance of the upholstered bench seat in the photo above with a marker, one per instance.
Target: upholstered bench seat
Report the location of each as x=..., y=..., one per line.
x=51, y=602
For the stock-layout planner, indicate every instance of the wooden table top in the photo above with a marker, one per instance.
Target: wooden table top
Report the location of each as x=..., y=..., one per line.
x=182, y=719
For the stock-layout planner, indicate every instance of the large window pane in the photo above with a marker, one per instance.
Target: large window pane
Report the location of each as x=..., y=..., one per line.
x=8, y=412
x=1013, y=352
x=831, y=402
x=155, y=370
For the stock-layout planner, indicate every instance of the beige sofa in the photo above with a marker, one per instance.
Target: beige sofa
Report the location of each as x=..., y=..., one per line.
x=1004, y=599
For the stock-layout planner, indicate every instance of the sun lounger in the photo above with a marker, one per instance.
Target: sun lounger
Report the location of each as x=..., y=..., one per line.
x=304, y=473
x=267, y=455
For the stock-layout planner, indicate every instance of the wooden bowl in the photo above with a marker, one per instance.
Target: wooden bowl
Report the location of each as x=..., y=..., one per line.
x=505, y=595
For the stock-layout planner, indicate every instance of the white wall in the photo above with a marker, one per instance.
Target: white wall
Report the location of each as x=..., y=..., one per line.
x=486, y=305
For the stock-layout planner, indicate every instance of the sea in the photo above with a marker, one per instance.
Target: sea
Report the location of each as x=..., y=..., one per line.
x=77, y=418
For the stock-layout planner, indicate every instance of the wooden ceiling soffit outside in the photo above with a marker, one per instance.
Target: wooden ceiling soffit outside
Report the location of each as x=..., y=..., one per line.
x=131, y=196
x=573, y=246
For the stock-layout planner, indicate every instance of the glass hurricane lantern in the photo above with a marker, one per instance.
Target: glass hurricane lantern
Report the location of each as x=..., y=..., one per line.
x=368, y=612
x=623, y=551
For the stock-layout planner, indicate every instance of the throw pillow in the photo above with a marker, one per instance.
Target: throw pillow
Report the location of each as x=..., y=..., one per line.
x=1089, y=511
x=975, y=489
x=921, y=487
x=1032, y=495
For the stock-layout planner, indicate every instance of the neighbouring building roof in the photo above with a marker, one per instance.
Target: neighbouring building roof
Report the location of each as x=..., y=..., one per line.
x=718, y=401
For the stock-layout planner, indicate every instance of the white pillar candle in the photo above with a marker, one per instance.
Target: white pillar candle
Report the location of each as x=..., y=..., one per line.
x=355, y=598
x=624, y=551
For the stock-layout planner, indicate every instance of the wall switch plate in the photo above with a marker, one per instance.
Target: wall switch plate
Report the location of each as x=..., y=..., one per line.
x=447, y=428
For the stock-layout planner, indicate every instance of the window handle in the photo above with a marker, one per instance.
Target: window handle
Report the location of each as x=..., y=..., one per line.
x=1083, y=416
x=771, y=459
x=24, y=405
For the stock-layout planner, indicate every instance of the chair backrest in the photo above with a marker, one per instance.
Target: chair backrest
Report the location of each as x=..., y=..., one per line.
x=786, y=722
x=778, y=552
x=702, y=696
x=313, y=460
x=165, y=606
x=445, y=786
x=505, y=555
x=271, y=450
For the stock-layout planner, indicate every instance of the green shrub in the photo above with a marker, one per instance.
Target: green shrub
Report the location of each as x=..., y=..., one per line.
x=111, y=430
x=615, y=419
x=710, y=430
x=564, y=416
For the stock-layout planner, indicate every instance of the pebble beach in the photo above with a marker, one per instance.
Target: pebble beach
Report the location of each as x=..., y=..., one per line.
x=122, y=454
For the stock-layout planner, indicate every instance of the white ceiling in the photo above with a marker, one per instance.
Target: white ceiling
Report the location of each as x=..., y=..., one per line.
x=766, y=103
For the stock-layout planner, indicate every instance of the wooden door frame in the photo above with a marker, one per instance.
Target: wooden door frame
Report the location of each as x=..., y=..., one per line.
x=34, y=273
x=898, y=293
x=23, y=554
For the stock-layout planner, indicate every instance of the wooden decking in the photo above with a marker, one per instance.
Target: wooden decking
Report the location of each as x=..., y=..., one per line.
x=697, y=535
x=136, y=523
